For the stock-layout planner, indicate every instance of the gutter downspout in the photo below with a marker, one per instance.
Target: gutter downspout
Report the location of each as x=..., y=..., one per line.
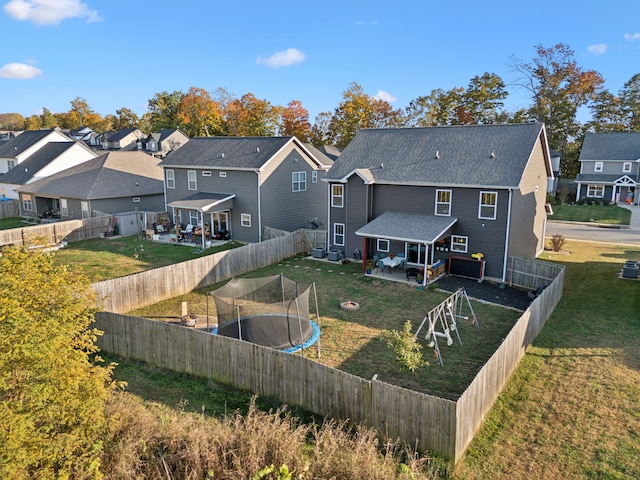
x=506, y=242
x=259, y=207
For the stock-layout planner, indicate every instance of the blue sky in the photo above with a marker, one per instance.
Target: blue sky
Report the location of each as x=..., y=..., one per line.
x=118, y=54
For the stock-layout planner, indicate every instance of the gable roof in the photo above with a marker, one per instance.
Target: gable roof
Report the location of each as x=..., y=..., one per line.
x=469, y=155
x=21, y=174
x=112, y=175
x=226, y=152
x=28, y=138
x=122, y=133
x=611, y=146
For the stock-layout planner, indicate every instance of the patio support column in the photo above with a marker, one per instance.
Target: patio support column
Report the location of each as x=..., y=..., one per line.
x=364, y=255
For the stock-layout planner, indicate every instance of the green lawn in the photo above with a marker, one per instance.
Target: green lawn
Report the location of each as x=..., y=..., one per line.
x=111, y=257
x=607, y=214
x=12, y=222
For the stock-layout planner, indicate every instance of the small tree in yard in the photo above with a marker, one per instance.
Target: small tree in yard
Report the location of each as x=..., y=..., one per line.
x=557, y=242
x=408, y=350
x=51, y=392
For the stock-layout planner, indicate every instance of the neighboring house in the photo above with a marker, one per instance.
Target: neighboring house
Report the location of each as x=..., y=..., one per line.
x=609, y=167
x=114, y=182
x=432, y=192
x=16, y=150
x=162, y=143
x=241, y=184
x=48, y=160
x=84, y=134
x=125, y=138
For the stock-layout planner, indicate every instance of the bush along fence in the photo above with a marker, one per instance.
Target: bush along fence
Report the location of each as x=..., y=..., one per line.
x=428, y=422
x=49, y=234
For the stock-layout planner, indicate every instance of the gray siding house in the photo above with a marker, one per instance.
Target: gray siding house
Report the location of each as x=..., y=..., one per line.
x=162, y=143
x=115, y=182
x=609, y=167
x=238, y=185
x=428, y=193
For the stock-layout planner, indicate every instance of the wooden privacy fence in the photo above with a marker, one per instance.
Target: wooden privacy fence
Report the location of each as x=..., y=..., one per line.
x=9, y=208
x=54, y=233
x=530, y=273
x=147, y=288
x=425, y=421
x=311, y=238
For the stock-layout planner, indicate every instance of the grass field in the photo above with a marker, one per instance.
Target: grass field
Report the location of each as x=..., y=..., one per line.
x=607, y=214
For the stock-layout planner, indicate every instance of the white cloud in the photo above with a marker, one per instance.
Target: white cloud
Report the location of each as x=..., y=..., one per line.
x=632, y=36
x=288, y=57
x=385, y=96
x=19, y=70
x=367, y=23
x=598, y=49
x=49, y=12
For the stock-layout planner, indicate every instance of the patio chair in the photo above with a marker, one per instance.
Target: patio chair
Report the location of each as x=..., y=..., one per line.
x=381, y=266
x=188, y=232
x=412, y=272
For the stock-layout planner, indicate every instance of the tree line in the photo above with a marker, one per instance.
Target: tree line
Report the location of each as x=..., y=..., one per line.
x=558, y=88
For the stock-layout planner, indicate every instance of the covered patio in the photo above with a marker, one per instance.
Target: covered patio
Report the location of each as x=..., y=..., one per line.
x=410, y=234
x=203, y=217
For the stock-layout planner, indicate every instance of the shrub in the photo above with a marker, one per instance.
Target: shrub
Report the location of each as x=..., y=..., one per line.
x=408, y=350
x=557, y=242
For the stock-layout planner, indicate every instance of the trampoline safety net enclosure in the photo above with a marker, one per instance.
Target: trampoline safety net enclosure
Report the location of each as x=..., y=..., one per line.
x=271, y=311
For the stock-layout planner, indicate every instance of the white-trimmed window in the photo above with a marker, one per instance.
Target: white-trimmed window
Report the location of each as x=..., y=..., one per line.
x=64, y=209
x=206, y=173
x=314, y=177
x=488, y=205
x=192, y=180
x=84, y=206
x=27, y=202
x=383, y=245
x=595, y=191
x=11, y=164
x=443, y=202
x=171, y=178
x=298, y=181
x=193, y=217
x=338, y=234
x=598, y=167
x=136, y=199
x=459, y=243
x=245, y=219
x=223, y=174
x=337, y=196
x=152, y=146
x=626, y=167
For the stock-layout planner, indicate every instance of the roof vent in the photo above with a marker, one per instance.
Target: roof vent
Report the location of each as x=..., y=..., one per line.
x=381, y=166
x=222, y=154
x=493, y=155
x=257, y=149
x=437, y=154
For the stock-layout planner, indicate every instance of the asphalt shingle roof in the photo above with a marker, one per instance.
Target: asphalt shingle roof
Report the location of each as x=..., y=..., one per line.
x=112, y=175
x=226, y=152
x=611, y=146
x=17, y=145
x=22, y=173
x=477, y=155
x=413, y=227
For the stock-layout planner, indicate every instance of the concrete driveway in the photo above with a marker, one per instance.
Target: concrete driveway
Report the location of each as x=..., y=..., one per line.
x=599, y=233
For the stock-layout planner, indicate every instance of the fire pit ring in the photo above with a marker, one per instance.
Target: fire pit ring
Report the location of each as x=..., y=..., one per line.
x=349, y=305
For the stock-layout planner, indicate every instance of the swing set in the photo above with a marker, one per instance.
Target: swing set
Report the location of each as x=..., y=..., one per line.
x=441, y=321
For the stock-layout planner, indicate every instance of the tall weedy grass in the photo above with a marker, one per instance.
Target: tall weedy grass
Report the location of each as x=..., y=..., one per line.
x=154, y=441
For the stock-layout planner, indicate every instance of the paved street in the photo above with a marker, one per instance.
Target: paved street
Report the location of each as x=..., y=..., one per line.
x=580, y=231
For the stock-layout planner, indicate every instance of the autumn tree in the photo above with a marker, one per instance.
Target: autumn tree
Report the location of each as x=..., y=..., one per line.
x=630, y=100
x=250, y=116
x=558, y=88
x=48, y=119
x=52, y=393
x=483, y=99
x=438, y=108
x=359, y=110
x=11, y=121
x=198, y=114
x=320, y=134
x=294, y=121
x=125, y=118
x=163, y=111
x=607, y=114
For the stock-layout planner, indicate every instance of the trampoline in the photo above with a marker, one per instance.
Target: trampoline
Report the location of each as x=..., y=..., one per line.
x=272, y=312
